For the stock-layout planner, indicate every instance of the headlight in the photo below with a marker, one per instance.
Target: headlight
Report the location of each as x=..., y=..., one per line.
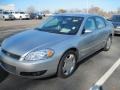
x=39, y=55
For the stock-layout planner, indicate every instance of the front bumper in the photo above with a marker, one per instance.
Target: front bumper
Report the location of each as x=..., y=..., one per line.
x=26, y=17
x=117, y=30
x=36, y=69
x=9, y=17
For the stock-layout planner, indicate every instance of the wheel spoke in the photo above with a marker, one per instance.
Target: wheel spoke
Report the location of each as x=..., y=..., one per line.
x=108, y=43
x=69, y=64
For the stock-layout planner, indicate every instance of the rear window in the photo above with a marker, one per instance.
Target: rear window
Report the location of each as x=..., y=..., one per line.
x=5, y=12
x=22, y=12
x=100, y=22
x=11, y=12
x=16, y=12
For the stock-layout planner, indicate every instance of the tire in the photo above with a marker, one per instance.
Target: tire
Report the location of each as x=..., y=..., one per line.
x=37, y=17
x=40, y=17
x=64, y=63
x=4, y=18
x=20, y=17
x=108, y=44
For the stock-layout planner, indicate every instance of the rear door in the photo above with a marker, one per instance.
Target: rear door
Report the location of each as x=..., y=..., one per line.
x=102, y=32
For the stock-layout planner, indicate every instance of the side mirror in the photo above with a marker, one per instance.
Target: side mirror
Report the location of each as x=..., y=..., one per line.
x=85, y=31
x=88, y=31
x=109, y=19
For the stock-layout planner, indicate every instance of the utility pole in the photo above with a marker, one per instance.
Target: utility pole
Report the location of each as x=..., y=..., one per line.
x=86, y=6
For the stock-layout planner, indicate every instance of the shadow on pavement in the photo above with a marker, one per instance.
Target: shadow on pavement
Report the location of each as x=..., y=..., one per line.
x=88, y=58
x=3, y=75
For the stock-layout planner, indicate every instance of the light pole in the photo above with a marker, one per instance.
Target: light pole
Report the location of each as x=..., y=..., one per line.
x=86, y=6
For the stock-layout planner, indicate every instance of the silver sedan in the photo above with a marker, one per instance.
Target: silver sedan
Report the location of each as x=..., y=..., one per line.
x=56, y=46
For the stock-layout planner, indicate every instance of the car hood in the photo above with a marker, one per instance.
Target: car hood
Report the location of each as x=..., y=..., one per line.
x=25, y=41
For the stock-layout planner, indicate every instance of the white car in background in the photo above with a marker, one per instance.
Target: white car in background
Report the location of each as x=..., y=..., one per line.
x=20, y=15
x=4, y=15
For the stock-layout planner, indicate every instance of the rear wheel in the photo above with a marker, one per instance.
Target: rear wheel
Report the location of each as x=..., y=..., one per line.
x=108, y=44
x=67, y=64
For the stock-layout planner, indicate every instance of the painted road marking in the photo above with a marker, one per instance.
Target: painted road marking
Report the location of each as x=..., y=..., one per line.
x=105, y=77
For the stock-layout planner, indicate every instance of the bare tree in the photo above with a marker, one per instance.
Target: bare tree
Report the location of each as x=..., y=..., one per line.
x=31, y=9
x=75, y=10
x=61, y=11
x=99, y=11
x=46, y=11
x=94, y=10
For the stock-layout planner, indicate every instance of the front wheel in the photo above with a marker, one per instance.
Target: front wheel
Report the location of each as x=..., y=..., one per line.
x=20, y=17
x=4, y=18
x=108, y=44
x=67, y=64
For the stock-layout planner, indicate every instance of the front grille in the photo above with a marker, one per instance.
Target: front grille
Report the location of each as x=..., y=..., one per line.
x=10, y=54
x=33, y=73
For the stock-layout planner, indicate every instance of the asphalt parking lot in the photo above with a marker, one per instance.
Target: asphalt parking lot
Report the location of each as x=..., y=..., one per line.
x=87, y=73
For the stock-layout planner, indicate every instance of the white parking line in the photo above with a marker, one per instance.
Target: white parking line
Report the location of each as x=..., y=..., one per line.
x=105, y=77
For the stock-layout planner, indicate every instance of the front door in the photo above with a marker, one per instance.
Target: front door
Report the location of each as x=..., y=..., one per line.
x=88, y=38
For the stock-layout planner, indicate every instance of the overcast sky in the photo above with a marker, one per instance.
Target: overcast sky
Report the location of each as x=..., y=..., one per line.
x=53, y=5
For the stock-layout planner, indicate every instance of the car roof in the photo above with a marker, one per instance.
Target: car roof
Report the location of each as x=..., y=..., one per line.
x=76, y=14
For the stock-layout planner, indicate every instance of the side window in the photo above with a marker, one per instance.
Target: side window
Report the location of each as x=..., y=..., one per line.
x=16, y=12
x=90, y=24
x=100, y=22
x=51, y=23
x=0, y=11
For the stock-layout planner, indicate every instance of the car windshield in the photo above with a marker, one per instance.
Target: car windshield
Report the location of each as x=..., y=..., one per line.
x=116, y=18
x=62, y=25
x=22, y=12
x=5, y=12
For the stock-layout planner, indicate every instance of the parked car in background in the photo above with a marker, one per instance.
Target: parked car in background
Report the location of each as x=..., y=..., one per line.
x=36, y=15
x=5, y=15
x=116, y=22
x=42, y=14
x=56, y=46
x=20, y=15
x=49, y=14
